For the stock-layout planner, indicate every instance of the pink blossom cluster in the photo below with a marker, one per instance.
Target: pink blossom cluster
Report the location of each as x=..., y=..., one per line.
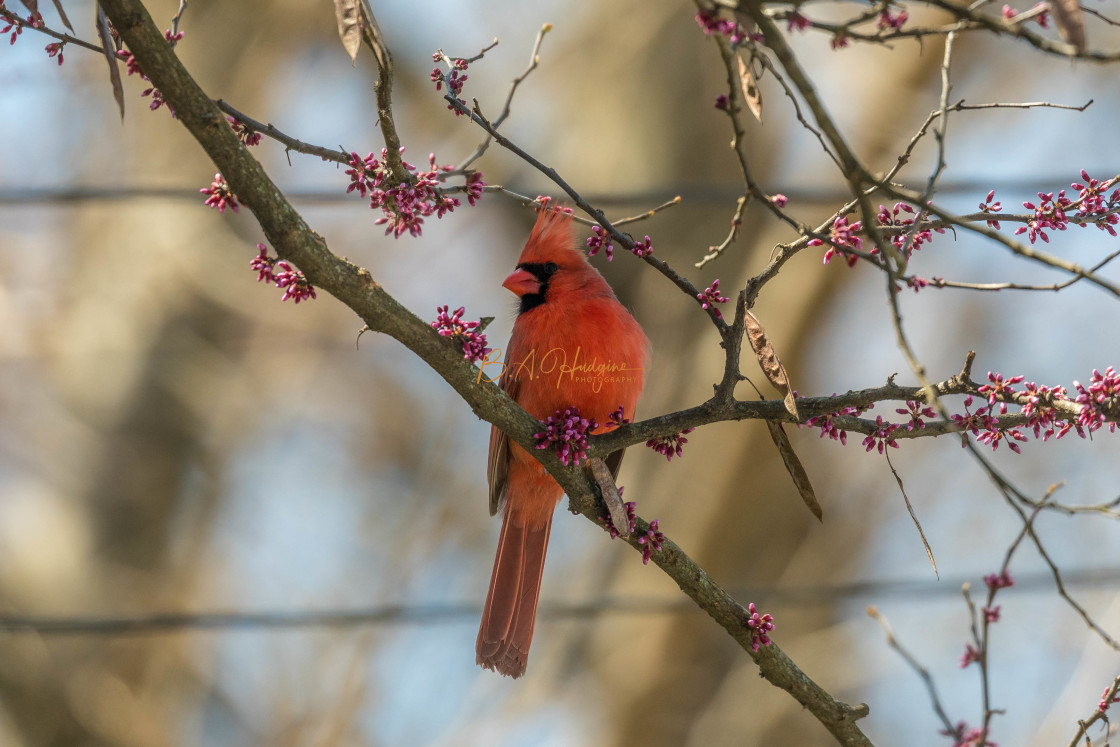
x=882, y=437
x=710, y=296
x=670, y=446
x=796, y=22
x=134, y=67
x=15, y=25
x=986, y=428
x=1043, y=18
x=829, y=429
x=218, y=195
x=454, y=326
x=964, y=736
x=1049, y=213
x=916, y=411
x=244, y=133
x=454, y=80
x=631, y=508
x=917, y=283
x=1106, y=701
x=405, y=205
x=1099, y=402
x=971, y=654
x=997, y=581
x=643, y=248
x=888, y=20
x=600, y=239
x=890, y=218
x=710, y=23
x=1091, y=202
x=618, y=417
x=566, y=432
x=651, y=542
x=760, y=626
x=842, y=234
x=988, y=206
x=54, y=50
x=1038, y=407
x=283, y=275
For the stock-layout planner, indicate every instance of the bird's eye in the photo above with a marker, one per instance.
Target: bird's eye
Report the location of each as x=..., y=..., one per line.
x=551, y=267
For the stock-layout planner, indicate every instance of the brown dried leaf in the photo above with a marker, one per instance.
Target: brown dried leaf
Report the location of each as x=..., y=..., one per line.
x=109, y=48
x=31, y=5
x=793, y=466
x=768, y=361
x=1071, y=22
x=601, y=473
x=62, y=15
x=349, y=18
x=749, y=87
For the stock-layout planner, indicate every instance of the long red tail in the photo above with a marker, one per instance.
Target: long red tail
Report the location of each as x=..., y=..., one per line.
x=511, y=604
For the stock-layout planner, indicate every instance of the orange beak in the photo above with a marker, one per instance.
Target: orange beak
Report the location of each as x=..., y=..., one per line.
x=522, y=283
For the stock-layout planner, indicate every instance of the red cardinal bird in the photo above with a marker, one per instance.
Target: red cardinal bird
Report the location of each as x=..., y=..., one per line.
x=573, y=345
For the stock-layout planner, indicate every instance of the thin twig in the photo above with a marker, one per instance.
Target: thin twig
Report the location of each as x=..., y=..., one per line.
x=534, y=60
x=289, y=143
x=11, y=17
x=927, y=678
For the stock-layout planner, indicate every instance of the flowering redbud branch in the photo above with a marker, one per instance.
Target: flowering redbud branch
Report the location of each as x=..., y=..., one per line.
x=1015, y=247
x=42, y=28
x=1111, y=695
x=980, y=625
x=835, y=412
x=968, y=19
x=979, y=20
x=289, y=143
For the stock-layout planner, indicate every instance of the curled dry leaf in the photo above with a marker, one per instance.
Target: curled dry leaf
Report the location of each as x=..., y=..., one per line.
x=749, y=87
x=601, y=473
x=793, y=466
x=769, y=362
x=110, y=50
x=357, y=24
x=348, y=16
x=1071, y=22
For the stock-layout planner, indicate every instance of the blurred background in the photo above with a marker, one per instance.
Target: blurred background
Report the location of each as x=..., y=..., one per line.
x=176, y=440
